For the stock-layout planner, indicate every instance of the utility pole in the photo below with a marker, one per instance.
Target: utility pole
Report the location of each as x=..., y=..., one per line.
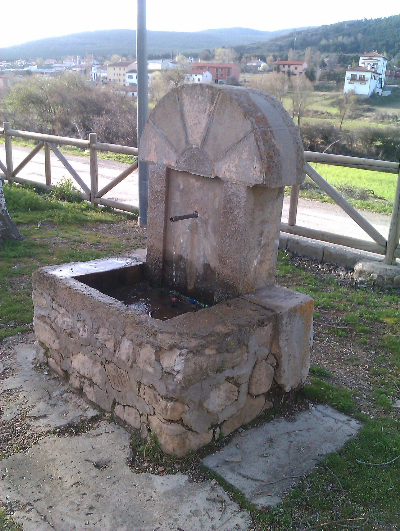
x=142, y=105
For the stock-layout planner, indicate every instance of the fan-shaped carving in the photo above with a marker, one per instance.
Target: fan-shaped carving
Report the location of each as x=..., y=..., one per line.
x=241, y=135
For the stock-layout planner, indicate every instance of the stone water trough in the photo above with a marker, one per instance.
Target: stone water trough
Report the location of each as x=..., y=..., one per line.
x=219, y=159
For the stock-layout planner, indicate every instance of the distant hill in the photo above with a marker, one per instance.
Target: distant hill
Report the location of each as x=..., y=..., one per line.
x=123, y=42
x=351, y=37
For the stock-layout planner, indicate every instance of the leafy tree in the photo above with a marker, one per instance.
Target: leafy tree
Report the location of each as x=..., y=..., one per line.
x=68, y=105
x=205, y=55
x=310, y=74
x=308, y=56
x=115, y=58
x=231, y=80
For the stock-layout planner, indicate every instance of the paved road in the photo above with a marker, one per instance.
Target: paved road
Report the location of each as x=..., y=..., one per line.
x=322, y=216
x=126, y=192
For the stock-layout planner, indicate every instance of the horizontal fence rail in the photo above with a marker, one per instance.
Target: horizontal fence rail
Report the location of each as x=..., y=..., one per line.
x=49, y=143
x=388, y=248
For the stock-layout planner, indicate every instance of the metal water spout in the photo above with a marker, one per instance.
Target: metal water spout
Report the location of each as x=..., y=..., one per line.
x=194, y=214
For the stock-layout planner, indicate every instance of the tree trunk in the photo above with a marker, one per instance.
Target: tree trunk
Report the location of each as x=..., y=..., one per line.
x=8, y=229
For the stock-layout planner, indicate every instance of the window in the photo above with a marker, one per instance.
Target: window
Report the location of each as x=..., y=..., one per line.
x=353, y=76
x=362, y=77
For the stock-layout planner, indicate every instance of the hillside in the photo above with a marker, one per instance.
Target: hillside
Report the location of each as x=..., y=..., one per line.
x=123, y=42
x=351, y=37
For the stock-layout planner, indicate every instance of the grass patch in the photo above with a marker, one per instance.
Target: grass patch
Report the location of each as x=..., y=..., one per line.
x=322, y=391
x=6, y=523
x=57, y=229
x=364, y=189
x=321, y=372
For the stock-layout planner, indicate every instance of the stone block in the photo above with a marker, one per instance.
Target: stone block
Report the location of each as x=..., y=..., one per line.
x=46, y=334
x=260, y=341
x=378, y=272
x=62, y=317
x=167, y=409
x=89, y=367
x=340, y=256
x=119, y=379
x=293, y=333
x=126, y=352
x=98, y=396
x=146, y=358
x=128, y=414
x=261, y=378
x=106, y=338
x=76, y=382
x=249, y=412
x=305, y=247
x=221, y=396
x=56, y=367
x=40, y=299
x=177, y=440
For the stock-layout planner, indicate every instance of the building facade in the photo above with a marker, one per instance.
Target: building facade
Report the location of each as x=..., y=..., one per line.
x=296, y=68
x=368, y=77
x=220, y=72
x=116, y=72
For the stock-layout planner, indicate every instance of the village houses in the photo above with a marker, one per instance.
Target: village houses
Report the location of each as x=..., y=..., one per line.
x=368, y=77
x=291, y=67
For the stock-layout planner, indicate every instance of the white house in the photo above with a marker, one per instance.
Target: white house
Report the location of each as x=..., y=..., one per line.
x=205, y=77
x=160, y=64
x=98, y=73
x=368, y=77
x=131, y=78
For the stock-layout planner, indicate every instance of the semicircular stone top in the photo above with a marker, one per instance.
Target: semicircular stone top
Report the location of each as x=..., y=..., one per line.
x=238, y=134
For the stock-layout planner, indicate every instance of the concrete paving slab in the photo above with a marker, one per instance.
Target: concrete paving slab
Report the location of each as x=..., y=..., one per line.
x=46, y=399
x=84, y=482
x=265, y=462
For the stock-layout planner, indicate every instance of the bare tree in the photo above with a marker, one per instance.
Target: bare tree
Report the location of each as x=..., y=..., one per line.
x=346, y=102
x=276, y=84
x=301, y=89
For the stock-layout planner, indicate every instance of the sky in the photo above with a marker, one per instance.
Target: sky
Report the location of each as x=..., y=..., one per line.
x=28, y=21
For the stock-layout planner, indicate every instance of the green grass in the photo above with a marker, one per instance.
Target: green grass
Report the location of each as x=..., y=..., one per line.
x=320, y=390
x=6, y=523
x=55, y=232
x=356, y=486
x=364, y=189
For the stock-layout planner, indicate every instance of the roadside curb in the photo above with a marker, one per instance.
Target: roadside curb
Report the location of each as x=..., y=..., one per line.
x=326, y=252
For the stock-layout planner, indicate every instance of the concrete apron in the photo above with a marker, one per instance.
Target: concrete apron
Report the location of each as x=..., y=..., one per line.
x=84, y=482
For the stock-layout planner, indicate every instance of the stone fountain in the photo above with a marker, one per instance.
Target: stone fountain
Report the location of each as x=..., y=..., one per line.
x=219, y=159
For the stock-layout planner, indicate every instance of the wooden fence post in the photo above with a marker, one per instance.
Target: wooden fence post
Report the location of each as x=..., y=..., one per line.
x=94, y=168
x=294, y=200
x=394, y=231
x=8, y=146
x=47, y=163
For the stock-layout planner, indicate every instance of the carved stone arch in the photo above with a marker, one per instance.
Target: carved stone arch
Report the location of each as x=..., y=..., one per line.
x=238, y=134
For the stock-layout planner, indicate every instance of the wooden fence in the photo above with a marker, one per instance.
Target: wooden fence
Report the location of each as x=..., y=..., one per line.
x=389, y=248
x=50, y=142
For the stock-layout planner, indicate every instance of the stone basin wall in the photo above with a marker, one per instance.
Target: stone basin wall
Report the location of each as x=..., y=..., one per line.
x=186, y=379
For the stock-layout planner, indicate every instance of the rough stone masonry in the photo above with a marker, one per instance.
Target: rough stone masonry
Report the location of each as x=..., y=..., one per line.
x=226, y=153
